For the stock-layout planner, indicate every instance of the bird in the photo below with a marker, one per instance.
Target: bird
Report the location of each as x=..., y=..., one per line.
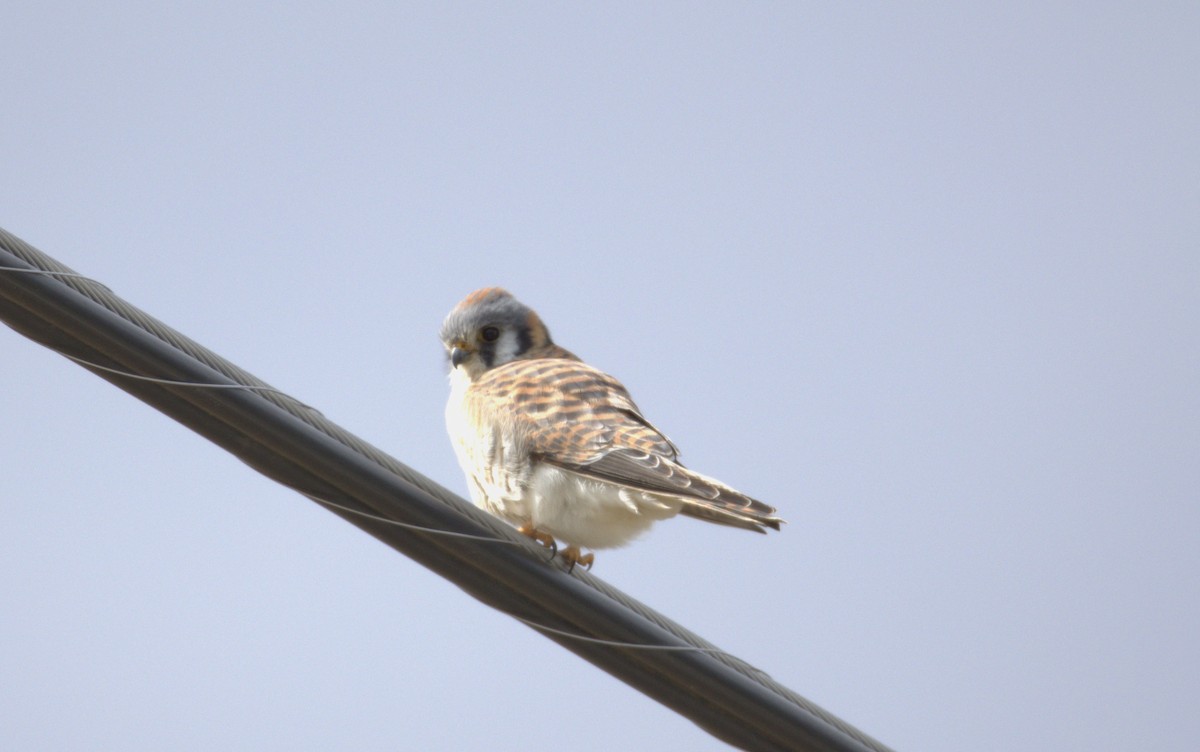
x=558, y=447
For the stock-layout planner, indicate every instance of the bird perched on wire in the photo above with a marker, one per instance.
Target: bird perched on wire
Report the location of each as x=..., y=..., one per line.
x=559, y=448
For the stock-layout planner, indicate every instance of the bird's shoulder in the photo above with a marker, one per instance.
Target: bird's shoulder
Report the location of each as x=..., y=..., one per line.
x=569, y=410
x=526, y=380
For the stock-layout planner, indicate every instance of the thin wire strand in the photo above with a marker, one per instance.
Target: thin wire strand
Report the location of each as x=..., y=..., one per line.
x=616, y=643
x=173, y=382
x=154, y=379
x=52, y=273
x=409, y=526
x=527, y=622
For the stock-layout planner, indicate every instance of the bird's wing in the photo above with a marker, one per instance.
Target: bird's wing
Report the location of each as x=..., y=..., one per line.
x=583, y=420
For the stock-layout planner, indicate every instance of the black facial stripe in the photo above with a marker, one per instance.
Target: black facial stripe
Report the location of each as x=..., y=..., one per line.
x=524, y=339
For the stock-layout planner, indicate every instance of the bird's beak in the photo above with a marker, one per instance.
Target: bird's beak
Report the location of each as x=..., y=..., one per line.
x=458, y=356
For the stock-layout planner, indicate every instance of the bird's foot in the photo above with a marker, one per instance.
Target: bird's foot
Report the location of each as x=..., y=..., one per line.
x=546, y=539
x=572, y=556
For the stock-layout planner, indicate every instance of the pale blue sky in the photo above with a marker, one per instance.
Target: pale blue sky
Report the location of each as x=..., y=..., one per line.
x=927, y=278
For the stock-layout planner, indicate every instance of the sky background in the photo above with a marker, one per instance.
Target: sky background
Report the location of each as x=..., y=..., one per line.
x=925, y=277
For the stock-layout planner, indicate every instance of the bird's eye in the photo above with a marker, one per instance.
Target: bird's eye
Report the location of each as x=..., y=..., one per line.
x=490, y=334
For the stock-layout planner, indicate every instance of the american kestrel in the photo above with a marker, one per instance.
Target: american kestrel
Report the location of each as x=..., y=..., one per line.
x=559, y=448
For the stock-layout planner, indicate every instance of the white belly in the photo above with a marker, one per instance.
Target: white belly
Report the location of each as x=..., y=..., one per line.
x=589, y=513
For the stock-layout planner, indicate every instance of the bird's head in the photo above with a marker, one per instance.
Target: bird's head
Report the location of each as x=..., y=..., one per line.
x=490, y=328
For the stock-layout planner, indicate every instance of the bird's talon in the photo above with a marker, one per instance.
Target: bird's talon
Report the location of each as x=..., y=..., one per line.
x=544, y=539
x=572, y=556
